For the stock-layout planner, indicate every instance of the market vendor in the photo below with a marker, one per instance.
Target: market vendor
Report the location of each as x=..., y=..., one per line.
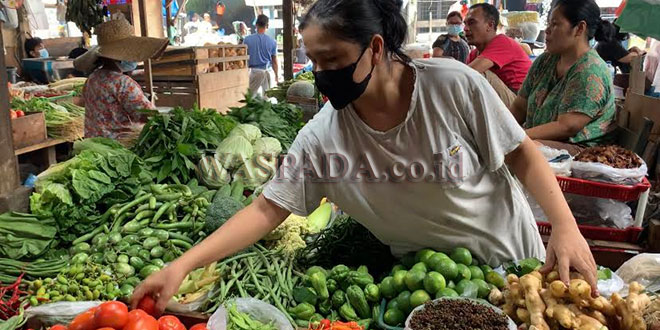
x=390, y=119
x=498, y=57
x=567, y=101
x=34, y=48
x=610, y=49
x=112, y=99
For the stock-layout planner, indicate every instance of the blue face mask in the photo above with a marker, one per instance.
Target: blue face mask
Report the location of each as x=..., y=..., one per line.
x=127, y=66
x=454, y=29
x=43, y=53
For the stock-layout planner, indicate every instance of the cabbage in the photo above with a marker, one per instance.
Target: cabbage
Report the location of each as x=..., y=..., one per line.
x=233, y=151
x=211, y=173
x=267, y=146
x=250, y=132
x=256, y=172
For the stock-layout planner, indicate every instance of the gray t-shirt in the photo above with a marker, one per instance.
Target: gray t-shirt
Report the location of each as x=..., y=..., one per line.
x=456, y=134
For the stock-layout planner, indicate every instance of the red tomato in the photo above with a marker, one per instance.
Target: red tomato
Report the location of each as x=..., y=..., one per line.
x=170, y=322
x=111, y=314
x=148, y=305
x=136, y=314
x=105, y=328
x=199, y=326
x=145, y=322
x=58, y=327
x=20, y=113
x=84, y=321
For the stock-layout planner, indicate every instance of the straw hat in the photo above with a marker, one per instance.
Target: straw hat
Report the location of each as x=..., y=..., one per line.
x=117, y=41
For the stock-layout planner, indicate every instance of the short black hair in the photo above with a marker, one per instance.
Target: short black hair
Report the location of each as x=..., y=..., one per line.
x=31, y=44
x=357, y=21
x=262, y=21
x=77, y=52
x=455, y=14
x=490, y=12
x=576, y=11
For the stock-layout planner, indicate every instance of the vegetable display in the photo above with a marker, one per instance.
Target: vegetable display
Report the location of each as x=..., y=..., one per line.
x=238, y=321
x=24, y=235
x=65, y=120
x=280, y=91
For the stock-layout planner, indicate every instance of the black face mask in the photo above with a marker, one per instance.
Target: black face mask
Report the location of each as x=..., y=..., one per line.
x=338, y=85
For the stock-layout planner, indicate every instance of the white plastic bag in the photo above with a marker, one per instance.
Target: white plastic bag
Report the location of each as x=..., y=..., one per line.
x=600, y=211
x=608, y=174
x=607, y=287
x=563, y=167
x=257, y=309
x=193, y=306
x=643, y=269
x=61, y=312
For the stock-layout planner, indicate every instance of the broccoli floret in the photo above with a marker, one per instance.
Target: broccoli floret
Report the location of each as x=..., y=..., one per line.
x=221, y=209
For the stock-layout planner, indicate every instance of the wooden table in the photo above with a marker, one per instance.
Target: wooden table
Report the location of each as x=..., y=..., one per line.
x=46, y=148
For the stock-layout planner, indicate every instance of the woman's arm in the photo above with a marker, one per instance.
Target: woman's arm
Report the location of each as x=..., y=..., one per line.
x=628, y=58
x=565, y=127
x=519, y=109
x=242, y=230
x=566, y=248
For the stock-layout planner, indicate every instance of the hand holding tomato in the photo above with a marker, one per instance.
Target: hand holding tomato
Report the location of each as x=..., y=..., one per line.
x=162, y=285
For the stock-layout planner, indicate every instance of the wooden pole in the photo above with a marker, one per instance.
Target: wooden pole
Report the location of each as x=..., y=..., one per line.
x=8, y=164
x=287, y=12
x=148, y=78
x=168, y=20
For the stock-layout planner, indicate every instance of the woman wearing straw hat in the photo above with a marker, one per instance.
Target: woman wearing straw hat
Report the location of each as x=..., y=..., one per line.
x=111, y=97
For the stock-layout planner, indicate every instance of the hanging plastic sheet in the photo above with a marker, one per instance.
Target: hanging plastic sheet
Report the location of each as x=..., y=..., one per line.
x=641, y=18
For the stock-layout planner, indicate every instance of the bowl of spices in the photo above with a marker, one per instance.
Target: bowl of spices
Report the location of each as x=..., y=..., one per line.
x=459, y=313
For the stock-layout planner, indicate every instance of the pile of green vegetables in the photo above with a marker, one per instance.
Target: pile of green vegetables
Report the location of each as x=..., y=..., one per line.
x=177, y=140
x=281, y=121
x=60, y=118
x=340, y=293
x=25, y=236
x=87, y=14
x=79, y=192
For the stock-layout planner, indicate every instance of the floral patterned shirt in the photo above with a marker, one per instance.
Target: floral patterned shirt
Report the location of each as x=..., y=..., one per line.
x=111, y=103
x=585, y=88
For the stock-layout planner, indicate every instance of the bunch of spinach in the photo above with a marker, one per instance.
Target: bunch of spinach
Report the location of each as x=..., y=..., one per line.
x=177, y=140
x=76, y=193
x=281, y=121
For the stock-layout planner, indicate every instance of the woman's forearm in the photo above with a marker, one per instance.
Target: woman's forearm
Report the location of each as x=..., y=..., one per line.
x=533, y=171
x=243, y=229
x=554, y=131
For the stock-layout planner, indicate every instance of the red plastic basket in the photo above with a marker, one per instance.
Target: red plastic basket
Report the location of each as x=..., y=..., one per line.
x=602, y=190
x=628, y=235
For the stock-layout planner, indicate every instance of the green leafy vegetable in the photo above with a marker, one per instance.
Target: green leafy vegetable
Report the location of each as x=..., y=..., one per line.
x=25, y=235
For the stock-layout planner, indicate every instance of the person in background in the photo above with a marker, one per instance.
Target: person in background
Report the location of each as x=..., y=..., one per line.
x=34, y=48
x=241, y=31
x=205, y=26
x=192, y=26
x=112, y=99
x=262, y=50
x=451, y=44
x=74, y=54
x=610, y=49
x=567, y=101
x=498, y=57
x=219, y=12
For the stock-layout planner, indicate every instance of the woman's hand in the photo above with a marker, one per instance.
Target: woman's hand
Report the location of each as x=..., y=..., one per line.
x=568, y=249
x=161, y=286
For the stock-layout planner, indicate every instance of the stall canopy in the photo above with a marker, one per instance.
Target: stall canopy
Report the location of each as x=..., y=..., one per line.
x=641, y=18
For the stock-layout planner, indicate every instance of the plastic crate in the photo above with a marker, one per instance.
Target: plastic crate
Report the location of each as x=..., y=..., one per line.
x=628, y=235
x=601, y=189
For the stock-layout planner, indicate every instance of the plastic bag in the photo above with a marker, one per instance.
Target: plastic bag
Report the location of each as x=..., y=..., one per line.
x=600, y=211
x=61, y=312
x=193, y=306
x=608, y=174
x=512, y=325
x=562, y=167
x=257, y=309
x=643, y=269
x=607, y=287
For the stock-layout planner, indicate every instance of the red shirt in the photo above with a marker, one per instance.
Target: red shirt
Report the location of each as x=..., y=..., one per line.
x=511, y=61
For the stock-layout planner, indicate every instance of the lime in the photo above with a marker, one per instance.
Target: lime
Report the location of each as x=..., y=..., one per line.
x=423, y=254
x=393, y=304
x=420, y=266
x=403, y=302
x=448, y=269
x=435, y=261
x=434, y=282
x=451, y=285
x=483, y=288
x=397, y=268
x=399, y=280
x=393, y=317
x=447, y=292
x=475, y=262
x=408, y=260
x=464, y=272
x=466, y=288
x=495, y=279
x=485, y=268
x=419, y=297
x=415, y=280
x=476, y=273
x=387, y=288
x=462, y=256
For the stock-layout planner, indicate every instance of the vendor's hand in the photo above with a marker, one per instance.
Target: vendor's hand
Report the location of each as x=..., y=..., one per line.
x=161, y=286
x=568, y=249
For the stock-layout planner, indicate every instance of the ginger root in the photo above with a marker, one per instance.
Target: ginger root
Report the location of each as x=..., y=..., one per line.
x=531, y=284
x=630, y=310
x=580, y=292
x=496, y=297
